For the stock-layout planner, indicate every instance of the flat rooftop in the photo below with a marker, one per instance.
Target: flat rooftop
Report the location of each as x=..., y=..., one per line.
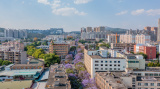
x=57, y=79
x=20, y=72
x=16, y=84
x=99, y=57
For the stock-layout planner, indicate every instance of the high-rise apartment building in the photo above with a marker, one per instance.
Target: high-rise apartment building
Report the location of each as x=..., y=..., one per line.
x=158, y=35
x=147, y=28
x=88, y=29
x=95, y=34
x=142, y=39
x=113, y=38
x=15, y=33
x=139, y=38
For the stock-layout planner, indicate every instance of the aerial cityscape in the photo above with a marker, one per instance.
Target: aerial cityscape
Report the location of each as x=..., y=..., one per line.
x=79, y=44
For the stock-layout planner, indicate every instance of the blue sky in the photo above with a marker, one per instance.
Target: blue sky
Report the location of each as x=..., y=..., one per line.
x=74, y=14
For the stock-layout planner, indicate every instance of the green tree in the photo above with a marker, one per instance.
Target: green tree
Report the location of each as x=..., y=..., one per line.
x=30, y=50
x=1, y=61
x=51, y=59
x=73, y=48
x=6, y=62
x=144, y=55
x=105, y=45
x=157, y=55
x=69, y=71
x=37, y=53
x=41, y=56
x=97, y=47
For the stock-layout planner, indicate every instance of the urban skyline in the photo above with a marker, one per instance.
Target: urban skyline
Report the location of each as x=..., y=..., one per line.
x=74, y=14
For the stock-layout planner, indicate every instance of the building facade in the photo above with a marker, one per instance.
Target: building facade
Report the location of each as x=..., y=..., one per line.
x=97, y=33
x=158, y=35
x=113, y=38
x=15, y=33
x=127, y=47
x=149, y=50
x=60, y=49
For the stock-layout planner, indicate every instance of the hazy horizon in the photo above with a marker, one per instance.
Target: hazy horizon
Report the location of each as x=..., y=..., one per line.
x=71, y=15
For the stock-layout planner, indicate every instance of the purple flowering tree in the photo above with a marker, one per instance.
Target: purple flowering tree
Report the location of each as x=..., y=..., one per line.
x=84, y=75
x=68, y=66
x=89, y=84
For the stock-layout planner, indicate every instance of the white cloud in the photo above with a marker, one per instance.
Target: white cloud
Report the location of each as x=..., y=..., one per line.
x=81, y=1
x=138, y=12
x=44, y=2
x=55, y=4
x=122, y=13
x=67, y=11
x=153, y=12
x=59, y=8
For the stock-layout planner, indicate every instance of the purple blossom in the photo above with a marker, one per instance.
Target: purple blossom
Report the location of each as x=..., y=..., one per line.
x=67, y=66
x=79, y=50
x=85, y=82
x=84, y=75
x=90, y=83
x=76, y=61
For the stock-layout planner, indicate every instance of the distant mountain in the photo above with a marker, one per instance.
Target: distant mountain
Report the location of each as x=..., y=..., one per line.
x=116, y=30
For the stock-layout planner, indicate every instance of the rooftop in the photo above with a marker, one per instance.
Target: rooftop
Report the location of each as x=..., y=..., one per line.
x=99, y=57
x=16, y=84
x=19, y=72
x=58, y=79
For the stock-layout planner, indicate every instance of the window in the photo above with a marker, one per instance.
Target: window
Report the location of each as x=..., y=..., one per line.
x=110, y=61
x=110, y=65
x=101, y=64
x=118, y=61
x=145, y=84
x=96, y=64
x=118, y=64
x=155, y=74
x=106, y=65
x=96, y=61
x=106, y=69
x=152, y=84
x=110, y=68
x=105, y=61
x=151, y=74
x=101, y=61
x=101, y=68
x=118, y=68
x=96, y=68
x=139, y=84
x=114, y=68
x=115, y=62
x=158, y=84
x=115, y=65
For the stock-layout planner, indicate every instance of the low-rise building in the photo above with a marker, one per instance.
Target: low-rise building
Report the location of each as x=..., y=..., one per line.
x=149, y=50
x=60, y=49
x=100, y=60
x=127, y=47
x=58, y=79
x=44, y=47
x=123, y=80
